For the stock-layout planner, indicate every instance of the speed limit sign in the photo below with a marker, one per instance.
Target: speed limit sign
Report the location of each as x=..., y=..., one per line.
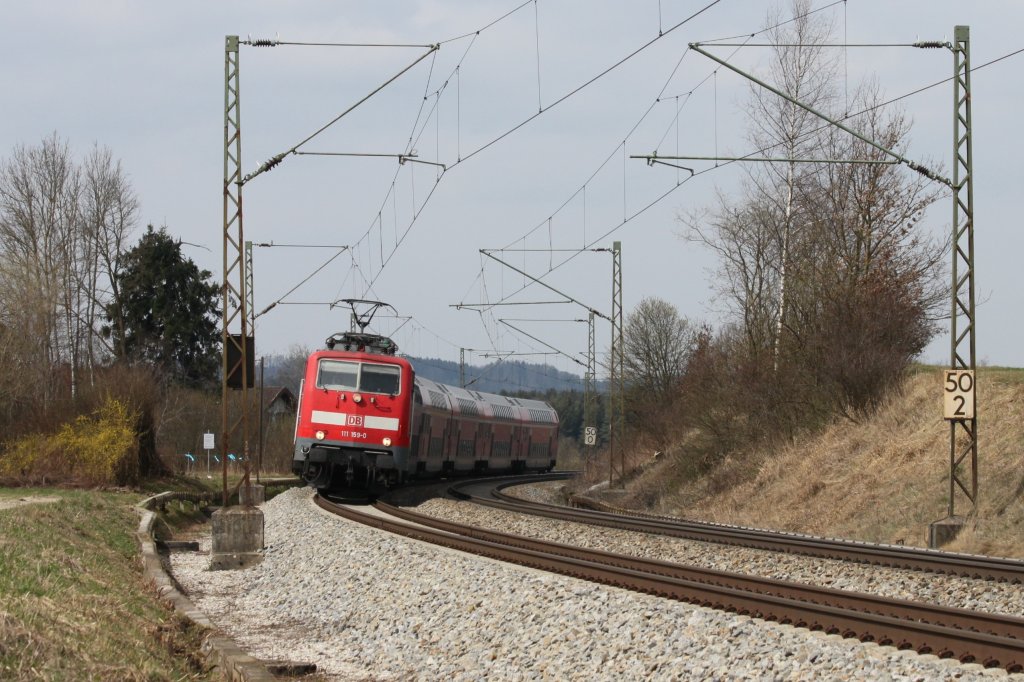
x=958, y=394
x=590, y=435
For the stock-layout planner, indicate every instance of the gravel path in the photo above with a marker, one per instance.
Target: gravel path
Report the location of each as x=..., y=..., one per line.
x=365, y=605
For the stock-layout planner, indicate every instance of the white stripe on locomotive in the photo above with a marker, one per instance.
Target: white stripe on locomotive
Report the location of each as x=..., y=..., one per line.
x=342, y=419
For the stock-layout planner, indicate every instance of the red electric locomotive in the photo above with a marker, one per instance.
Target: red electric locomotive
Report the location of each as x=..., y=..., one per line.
x=366, y=421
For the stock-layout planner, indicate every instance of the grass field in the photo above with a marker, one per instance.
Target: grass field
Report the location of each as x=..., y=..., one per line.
x=73, y=605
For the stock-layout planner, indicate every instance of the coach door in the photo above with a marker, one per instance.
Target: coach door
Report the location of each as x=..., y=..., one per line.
x=482, y=446
x=434, y=427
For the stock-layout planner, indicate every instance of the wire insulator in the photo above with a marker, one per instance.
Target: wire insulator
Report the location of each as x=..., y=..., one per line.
x=267, y=165
x=270, y=164
x=265, y=42
x=926, y=44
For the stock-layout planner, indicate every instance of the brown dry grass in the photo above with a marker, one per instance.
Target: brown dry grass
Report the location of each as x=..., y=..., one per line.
x=884, y=479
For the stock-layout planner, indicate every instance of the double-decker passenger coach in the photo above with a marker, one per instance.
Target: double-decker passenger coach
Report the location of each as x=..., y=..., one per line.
x=366, y=421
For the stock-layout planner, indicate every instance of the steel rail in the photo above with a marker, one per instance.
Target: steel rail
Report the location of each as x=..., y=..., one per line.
x=964, y=644
x=896, y=556
x=964, y=619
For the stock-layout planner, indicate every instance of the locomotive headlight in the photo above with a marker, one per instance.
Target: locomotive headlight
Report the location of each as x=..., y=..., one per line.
x=320, y=435
x=356, y=398
x=386, y=442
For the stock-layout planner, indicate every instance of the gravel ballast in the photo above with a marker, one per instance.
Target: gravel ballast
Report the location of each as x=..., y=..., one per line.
x=954, y=591
x=365, y=605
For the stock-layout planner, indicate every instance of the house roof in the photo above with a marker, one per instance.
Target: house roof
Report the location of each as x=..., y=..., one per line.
x=275, y=394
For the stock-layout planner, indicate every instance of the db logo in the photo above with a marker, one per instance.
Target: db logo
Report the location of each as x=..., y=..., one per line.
x=355, y=420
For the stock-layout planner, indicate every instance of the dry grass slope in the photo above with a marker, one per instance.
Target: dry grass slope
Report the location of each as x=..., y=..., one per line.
x=884, y=479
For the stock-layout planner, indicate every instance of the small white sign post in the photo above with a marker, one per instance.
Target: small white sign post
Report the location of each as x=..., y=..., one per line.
x=208, y=445
x=958, y=394
x=590, y=435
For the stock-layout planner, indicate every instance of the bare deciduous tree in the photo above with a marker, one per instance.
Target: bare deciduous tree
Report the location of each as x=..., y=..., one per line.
x=62, y=229
x=824, y=268
x=656, y=348
x=111, y=212
x=802, y=69
x=38, y=214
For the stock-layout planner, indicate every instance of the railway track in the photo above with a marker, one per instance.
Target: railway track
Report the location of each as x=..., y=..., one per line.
x=992, y=640
x=895, y=556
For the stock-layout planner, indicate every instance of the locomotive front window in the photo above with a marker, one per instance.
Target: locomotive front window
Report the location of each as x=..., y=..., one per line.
x=338, y=375
x=380, y=379
x=341, y=375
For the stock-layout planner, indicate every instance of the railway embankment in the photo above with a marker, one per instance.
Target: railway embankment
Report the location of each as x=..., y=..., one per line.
x=881, y=477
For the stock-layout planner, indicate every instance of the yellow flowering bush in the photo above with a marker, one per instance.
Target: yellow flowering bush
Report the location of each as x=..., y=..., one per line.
x=94, y=449
x=28, y=459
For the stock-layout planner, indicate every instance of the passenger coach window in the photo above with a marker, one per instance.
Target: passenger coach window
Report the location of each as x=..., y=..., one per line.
x=338, y=375
x=380, y=379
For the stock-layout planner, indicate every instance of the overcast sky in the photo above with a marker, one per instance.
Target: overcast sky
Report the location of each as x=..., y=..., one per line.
x=147, y=80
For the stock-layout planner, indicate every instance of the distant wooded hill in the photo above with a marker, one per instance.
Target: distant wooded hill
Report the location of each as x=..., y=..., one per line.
x=510, y=376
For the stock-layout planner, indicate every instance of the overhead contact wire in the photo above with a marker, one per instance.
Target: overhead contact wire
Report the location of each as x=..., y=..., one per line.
x=582, y=189
x=386, y=83
x=589, y=82
x=477, y=32
x=309, y=277
x=761, y=151
x=886, y=103
x=550, y=106
x=414, y=137
x=627, y=219
x=778, y=25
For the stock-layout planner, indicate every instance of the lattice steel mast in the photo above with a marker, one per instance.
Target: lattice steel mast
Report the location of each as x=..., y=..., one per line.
x=250, y=305
x=962, y=321
x=250, y=308
x=616, y=399
x=233, y=347
x=590, y=376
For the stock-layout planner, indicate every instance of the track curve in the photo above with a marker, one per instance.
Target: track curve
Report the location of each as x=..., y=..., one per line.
x=895, y=556
x=966, y=635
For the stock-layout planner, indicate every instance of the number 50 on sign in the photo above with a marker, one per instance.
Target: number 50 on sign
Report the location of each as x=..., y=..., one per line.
x=958, y=394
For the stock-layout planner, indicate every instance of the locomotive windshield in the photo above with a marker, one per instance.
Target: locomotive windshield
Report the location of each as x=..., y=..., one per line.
x=343, y=375
x=379, y=379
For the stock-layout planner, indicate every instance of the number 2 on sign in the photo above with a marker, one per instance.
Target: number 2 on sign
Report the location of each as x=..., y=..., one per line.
x=958, y=394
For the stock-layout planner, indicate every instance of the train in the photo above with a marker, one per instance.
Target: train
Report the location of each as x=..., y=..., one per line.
x=366, y=421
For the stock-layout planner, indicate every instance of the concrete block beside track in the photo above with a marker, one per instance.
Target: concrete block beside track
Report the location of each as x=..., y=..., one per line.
x=220, y=651
x=237, y=534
